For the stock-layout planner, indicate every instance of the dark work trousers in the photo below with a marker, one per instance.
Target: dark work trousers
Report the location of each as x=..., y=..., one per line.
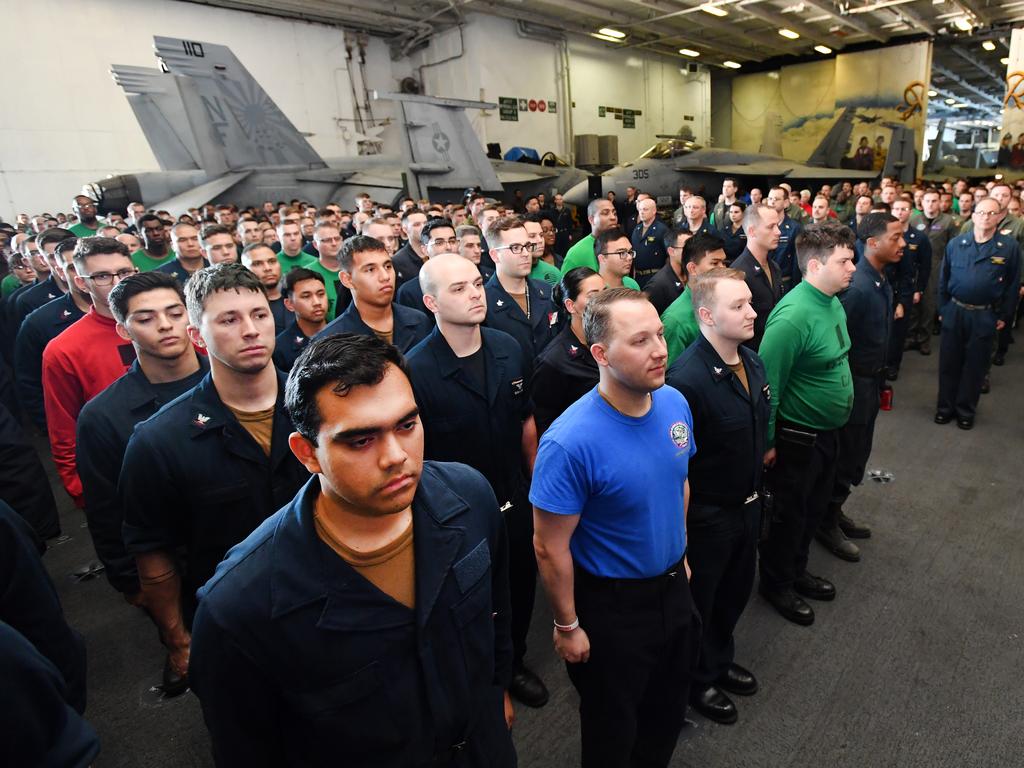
x=964, y=352
x=802, y=481
x=855, y=439
x=522, y=571
x=721, y=547
x=897, y=338
x=644, y=640
x=1003, y=337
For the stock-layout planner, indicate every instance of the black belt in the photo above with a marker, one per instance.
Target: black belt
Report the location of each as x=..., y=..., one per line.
x=602, y=583
x=447, y=755
x=718, y=501
x=866, y=373
x=970, y=307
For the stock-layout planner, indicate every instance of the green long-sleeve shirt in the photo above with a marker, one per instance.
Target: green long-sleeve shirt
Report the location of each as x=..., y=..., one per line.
x=681, y=326
x=805, y=351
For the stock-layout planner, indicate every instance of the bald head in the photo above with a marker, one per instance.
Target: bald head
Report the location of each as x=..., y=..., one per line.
x=453, y=290
x=441, y=270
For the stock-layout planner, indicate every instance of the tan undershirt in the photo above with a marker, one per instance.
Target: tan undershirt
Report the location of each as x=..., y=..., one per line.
x=741, y=374
x=520, y=299
x=391, y=568
x=386, y=336
x=259, y=424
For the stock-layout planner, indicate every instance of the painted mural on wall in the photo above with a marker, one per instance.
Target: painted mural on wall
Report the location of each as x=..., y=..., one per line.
x=794, y=108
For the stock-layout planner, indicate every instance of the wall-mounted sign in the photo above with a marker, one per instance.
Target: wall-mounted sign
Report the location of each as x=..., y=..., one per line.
x=628, y=121
x=533, y=105
x=542, y=105
x=508, y=109
x=552, y=107
x=524, y=105
x=600, y=111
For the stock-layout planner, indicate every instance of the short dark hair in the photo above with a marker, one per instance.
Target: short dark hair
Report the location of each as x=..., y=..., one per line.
x=297, y=275
x=698, y=246
x=65, y=245
x=431, y=225
x=341, y=361
x=597, y=316
x=357, y=244
x=210, y=230
x=122, y=293
x=672, y=236
x=97, y=246
x=148, y=217
x=873, y=225
x=255, y=247
x=53, y=235
x=608, y=236
x=818, y=241
x=501, y=225
x=569, y=286
x=219, y=277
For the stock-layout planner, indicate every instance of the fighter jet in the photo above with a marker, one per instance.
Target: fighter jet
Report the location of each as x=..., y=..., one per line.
x=674, y=162
x=218, y=136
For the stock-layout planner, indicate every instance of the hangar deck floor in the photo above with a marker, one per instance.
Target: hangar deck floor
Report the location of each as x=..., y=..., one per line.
x=917, y=663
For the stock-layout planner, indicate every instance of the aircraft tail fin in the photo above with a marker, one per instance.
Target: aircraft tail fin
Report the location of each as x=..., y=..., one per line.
x=833, y=147
x=237, y=116
x=161, y=115
x=935, y=161
x=901, y=158
x=440, y=148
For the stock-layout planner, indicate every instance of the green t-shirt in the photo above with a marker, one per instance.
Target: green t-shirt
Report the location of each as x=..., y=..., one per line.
x=9, y=285
x=681, y=326
x=80, y=230
x=546, y=272
x=330, y=285
x=581, y=255
x=805, y=351
x=288, y=263
x=146, y=263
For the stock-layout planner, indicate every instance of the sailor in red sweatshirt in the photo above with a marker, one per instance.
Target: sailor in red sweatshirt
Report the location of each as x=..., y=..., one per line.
x=86, y=357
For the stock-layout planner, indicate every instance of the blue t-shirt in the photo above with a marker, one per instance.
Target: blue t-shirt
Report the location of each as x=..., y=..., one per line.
x=624, y=477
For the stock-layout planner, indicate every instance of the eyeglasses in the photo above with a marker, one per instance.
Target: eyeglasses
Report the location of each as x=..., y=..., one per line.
x=330, y=239
x=106, y=278
x=516, y=248
x=987, y=213
x=630, y=254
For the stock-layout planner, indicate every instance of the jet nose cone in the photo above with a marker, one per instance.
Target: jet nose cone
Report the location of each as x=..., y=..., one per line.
x=578, y=195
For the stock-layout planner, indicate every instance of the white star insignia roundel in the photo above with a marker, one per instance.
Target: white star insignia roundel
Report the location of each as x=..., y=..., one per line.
x=500, y=303
x=718, y=371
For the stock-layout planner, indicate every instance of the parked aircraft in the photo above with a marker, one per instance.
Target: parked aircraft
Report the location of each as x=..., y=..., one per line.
x=674, y=162
x=217, y=136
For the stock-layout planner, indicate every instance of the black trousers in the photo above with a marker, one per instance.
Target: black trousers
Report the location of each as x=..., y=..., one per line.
x=802, y=481
x=644, y=639
x=522, y=571
x=721, y=547
x=897, y=338
x=855, y=440
x=966, y=346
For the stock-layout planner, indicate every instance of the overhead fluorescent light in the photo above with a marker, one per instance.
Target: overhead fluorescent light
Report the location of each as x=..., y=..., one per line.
x=822, y=49
x=1005, y=61
x=963, y=24
x=988, y=45
x=959, y=105
x=714, y=10
x=689, y=52
x=932, y=94
x=609, y=32
x=606, y=38
x=731, y=64
x=789, y=33
x=951, y=101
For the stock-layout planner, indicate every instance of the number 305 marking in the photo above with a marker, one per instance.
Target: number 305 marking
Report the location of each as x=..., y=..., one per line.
x=641, y=173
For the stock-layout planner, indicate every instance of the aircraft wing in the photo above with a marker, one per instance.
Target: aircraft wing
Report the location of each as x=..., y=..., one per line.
x=201, y=195
x=758, y=168
x=800, y=171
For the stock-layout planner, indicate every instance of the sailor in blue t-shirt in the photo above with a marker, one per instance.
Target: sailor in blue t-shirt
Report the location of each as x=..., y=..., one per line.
x=609, y=494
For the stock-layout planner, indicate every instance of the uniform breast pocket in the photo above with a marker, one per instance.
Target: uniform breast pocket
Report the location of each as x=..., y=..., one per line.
x=353, y=715
x=221, y=516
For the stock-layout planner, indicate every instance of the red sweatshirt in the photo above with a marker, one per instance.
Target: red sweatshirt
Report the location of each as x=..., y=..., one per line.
x=78, y=364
